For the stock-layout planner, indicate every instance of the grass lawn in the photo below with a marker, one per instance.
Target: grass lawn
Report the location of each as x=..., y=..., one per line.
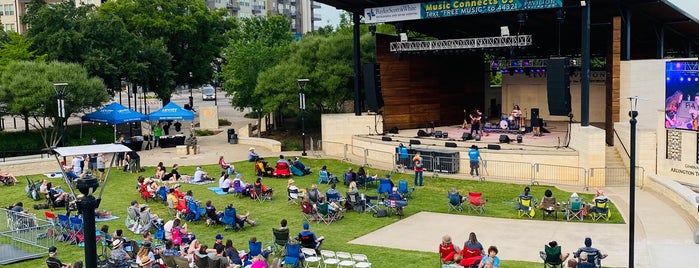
x=432, y=197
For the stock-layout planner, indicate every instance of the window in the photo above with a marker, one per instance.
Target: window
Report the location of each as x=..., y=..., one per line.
x=10, y=10
x=10, y=27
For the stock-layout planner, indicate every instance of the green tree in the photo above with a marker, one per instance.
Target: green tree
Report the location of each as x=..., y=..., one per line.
x=55, y=30
x=16, y=47
x=27, y=88
x=256, y=45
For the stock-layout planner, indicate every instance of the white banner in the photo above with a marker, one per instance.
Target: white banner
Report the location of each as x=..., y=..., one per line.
x=392, y=13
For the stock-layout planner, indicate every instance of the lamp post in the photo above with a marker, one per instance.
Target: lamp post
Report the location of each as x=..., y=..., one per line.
x=87, y=205
x=632, y=179
x=61, y=93
x=302, y=105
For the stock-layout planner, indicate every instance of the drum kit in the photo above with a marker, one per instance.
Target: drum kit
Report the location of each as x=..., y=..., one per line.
x=509, y=122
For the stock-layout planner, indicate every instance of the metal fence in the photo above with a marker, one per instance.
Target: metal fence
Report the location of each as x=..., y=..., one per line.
x=615, y=176
x=507, y=171
x=561, y=175
x=25, y=232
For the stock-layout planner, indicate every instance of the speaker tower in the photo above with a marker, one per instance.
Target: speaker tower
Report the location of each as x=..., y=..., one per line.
x=558, y=86
x=372, y=86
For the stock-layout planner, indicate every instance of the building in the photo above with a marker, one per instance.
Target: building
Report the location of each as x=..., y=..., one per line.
x=12, y=10
x=299, y=12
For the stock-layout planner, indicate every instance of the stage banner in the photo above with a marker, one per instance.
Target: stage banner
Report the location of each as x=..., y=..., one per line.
x=443, y=9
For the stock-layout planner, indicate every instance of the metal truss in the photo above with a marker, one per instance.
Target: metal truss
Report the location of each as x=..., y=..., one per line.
x=469, y=43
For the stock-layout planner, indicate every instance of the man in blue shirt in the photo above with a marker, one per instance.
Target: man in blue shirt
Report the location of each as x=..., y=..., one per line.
x=474, y=157
x=404, y=157
x=308, y=239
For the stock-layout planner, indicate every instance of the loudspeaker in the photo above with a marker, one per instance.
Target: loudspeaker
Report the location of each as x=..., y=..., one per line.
x=386, y=139
x=535, y=113
x=504, y=139
x=445, y=135
x=422, y=133
x=394, y=130
x=539, y=122
x=466, y=136
x=493, y=147
x=477, y=137
x=450, y=144
x=558, y=86
x=519, y=138
x=416, y=142
x=438, y=134
x=372, y=86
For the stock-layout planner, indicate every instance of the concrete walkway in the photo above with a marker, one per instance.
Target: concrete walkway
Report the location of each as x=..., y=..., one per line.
x=663, y=237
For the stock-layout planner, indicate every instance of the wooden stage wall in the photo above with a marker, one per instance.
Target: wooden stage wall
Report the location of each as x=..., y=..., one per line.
x=418, y=89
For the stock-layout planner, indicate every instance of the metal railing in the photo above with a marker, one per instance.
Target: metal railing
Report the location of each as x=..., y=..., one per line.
x=25, y=232
x=562, y=175
x=507, y=171
x=615, y=176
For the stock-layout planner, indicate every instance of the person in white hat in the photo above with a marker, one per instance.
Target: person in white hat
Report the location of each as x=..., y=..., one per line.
x=119, y=255
x=252, y=156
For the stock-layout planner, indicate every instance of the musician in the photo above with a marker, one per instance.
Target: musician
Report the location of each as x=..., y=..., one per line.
x=466, y=118
x=476, y=116
x=516, y=115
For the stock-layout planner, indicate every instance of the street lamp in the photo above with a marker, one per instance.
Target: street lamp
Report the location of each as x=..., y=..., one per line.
x=302, y=105
x=632, y=179
x=87, y=205
x=60, y=89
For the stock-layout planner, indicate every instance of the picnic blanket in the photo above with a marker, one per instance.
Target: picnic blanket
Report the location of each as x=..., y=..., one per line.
x=52, y=175
x=217, y=190
x=196, y=183
x=98, y=219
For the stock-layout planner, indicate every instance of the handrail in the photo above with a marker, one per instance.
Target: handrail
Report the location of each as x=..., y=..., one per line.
x=622, y=143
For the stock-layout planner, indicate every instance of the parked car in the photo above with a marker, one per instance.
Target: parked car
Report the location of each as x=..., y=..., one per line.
x=208, y=93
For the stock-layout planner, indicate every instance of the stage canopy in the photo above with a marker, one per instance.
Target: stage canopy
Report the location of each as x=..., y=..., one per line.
x=171, y=111
x=114, y=113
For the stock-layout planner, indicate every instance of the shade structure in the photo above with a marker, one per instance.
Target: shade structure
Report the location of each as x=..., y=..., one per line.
x=114, y=113
x=171, y=111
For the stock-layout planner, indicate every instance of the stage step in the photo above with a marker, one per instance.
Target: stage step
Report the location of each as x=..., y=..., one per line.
x=613, y=159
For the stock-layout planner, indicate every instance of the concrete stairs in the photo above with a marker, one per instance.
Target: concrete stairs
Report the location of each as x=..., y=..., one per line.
x=613, y=158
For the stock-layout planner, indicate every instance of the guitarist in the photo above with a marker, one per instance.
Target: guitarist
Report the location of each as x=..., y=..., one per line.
x=476, y=116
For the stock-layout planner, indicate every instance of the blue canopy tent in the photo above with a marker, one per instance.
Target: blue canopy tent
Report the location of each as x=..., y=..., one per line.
x=114, y=114
x=171, y=111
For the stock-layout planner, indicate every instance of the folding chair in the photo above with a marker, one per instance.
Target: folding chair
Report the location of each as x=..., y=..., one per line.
x=551, y=257
x=307, y=212
x=281, y=238
x=51, y=218
x=549, y=207
x=600, y=210
x=353, y=201
x=293, y=255
x=370, y=206
x=238, y=189
x=345, y=259
x=574, y=210
x=454, y=202
x=195, y=212
x=476, y=203
x=292, y=196
x=310, y=259
x=329, y=257
x=404, y=190
x=362, y=261
x=65, y=225
x=323, y=177
x=77, y=234
x=231, y=220
x=334, y=197
x=384, y=187
x=525, y=206
x=324, y=214
x=259, y=195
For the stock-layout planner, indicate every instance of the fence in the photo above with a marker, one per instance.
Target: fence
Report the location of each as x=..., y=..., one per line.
x=509, y=171
x=30, y=236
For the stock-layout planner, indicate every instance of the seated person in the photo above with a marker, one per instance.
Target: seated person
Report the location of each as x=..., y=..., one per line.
x=590, y=251
x=70, y=175
x=363, y=178
x=52, y=260
x=525, y=194
x=454, y=192
x=262, y=168
x=308, y=208
x=118, y=256
x=396, y=197
x=133, y=214
x=333, y=208
x=308, y=239
x=350, y=176
x=332, y=194
x=212, y=216
x=326, y=176
x=159, y=172
x=200, y=176
x=263, y=188
x=252, y=156
x=56, y=194
x=292, y=189
x=491, y=258
x=8, y=179
x=102, y=214
x=548, y=203
x=301, y=166
x=584, y=261
x=240, y=220
x=230, y=169
x=173, y=174
x=224, y=182
x=562, y=256
x=447, y=250
x=313, y=193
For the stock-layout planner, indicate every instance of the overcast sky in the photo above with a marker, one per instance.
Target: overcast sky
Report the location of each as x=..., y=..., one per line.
x=331, y=15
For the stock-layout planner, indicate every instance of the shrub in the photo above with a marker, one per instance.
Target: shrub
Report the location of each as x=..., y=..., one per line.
x=291, y=145
x=223, y=122
x=204, y=132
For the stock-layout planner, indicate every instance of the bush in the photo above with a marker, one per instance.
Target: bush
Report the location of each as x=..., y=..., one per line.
x=223, y=122
x=204, y=132
x=291, y=145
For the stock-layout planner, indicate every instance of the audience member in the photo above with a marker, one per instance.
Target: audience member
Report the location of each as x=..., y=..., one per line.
x=447, y=250
x=584, y=262
x=308, y=239
x=353, y=188
x=314, y=194
x=170, y=250
x=145, y=257
x=363, y=178
x=350, y=176
x=324, y=173
x=7, y=178
x=159, y=172
x=52, y=260
x=590, y=251
x=252, y=156
x=297, y=163
x=473, y=244
x=263, y=188
x=228, y=168
x=292, y=189
x=133, y=214
x=118, y=255
x=224, y=182
x=563, y=256
x=101, y=165
x=173, y=173
x=200, y=175
x=572, y=263
x=232, y=254
x=212, y=216
x=492, y=252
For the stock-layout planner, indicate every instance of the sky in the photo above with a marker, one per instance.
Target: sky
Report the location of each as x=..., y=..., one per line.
x=331, y=15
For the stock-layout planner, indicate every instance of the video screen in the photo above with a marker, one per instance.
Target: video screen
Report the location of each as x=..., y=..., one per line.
x=682, y=95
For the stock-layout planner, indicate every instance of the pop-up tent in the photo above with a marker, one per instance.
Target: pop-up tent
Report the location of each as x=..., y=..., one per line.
x=114, y=114
x=171, y=111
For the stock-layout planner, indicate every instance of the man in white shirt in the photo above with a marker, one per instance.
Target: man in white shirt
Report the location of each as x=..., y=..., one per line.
x=200, y=175
x=76, y=164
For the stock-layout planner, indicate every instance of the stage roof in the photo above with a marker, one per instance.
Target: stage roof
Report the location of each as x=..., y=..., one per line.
x=648, y=17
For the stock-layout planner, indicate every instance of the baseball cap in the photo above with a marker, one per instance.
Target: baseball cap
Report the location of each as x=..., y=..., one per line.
x=305, y=225
x=588, y=241
x=134, y=202
x=52, y=249
x=219, y=236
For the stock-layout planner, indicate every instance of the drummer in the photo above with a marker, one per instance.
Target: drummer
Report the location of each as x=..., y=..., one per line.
x=516, y=116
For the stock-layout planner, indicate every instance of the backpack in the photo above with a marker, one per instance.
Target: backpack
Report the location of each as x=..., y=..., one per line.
x=32, y=190
x=381, y=213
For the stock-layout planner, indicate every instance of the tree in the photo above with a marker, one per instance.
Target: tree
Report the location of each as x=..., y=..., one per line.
x=16, y=47
x=27, y=88
x=257, y=45
x=55, y=29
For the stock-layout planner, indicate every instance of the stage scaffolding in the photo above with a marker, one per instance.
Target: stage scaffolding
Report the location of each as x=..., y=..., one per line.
x=468, y=43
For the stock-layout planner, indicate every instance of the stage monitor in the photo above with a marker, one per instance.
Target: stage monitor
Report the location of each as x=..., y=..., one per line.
x=682, y=95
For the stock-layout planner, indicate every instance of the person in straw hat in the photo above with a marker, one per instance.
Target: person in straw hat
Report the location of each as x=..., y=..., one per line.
x=119, y=256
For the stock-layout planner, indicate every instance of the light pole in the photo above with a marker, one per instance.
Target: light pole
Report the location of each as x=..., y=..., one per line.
x=87, y=205
x=632, y=180
x=302, y=105
x=61, y=93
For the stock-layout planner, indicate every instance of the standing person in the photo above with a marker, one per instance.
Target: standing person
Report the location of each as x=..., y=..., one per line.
x=403, y=157
x=166, y=128
x=157, y=132
x=92, y=158
x=101, y=165
x=476, y=116
x=516, y=116
x=76, y=164
x=474, y=157
x=417, y=167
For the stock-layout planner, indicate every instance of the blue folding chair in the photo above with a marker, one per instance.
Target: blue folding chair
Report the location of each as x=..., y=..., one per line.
x=162, y=192
x=64, y=225
x=404, y=190
x=293, y=255
x=230, y=220
x=195, y=212
x=384, y=187
x=77, y=234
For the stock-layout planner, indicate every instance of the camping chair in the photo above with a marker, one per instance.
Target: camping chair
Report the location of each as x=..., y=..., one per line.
x=454, y=202
x=476, y=203
x=404, y=190
x=324, y=214
x=551, y=256
x=214, y=262
x=281, y=238
x=202, y=262
x=293, y=254
x=384, y=187
x=281, y=170
x=600, y=210
x=32, y=189
x=593, y=256
x=549, y=207
x=525, y=206
x=162, y=193
x=230, y=219
x=77, y=235
x=334, y=197
x=169, y=261
x=470, y=257
x=195, y=212
x=292, y=196
x=307, y=212
x=353, y=201
x=370, y=206
x=64, y=225
x=574, y=210
x=259, y=195
x=323, y=177
x=238, y=189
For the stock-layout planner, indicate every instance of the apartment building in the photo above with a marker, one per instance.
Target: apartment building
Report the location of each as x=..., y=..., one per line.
x=299, y=12
x=12, y=10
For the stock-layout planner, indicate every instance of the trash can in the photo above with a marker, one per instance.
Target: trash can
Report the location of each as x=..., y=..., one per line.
x=232, y=137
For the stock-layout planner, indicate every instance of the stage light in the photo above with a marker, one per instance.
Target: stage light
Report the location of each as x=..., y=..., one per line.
x=526, y=63
x=696, y=79
x=678, y=66
x=681, y=79
x=668, y=78
x=515, y=63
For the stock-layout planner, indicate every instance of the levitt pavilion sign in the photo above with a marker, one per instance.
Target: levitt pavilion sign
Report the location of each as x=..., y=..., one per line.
x=442, y=9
